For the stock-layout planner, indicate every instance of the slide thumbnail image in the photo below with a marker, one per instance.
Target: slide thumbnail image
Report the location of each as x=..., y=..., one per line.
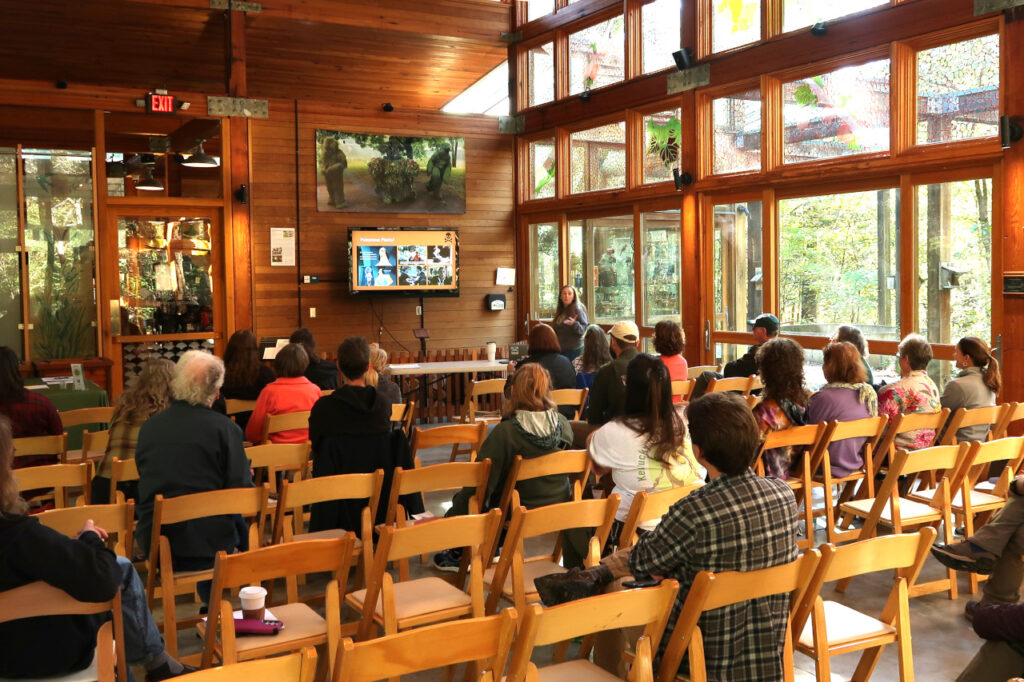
x=440, y=255
x=381, y=256
x=412, y=254
x=412, y=276
x=439, y=276
x=385, y=277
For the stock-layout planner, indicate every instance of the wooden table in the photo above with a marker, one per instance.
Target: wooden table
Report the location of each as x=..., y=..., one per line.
x=452, y=367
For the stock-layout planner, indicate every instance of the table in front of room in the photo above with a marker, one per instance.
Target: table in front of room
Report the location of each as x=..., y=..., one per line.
x=65, y=399
x=447, y=368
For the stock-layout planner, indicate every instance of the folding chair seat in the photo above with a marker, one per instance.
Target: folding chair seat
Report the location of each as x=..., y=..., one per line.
x=60, y=477
x=86, y=416
x=290, y=421
x=571, y=397
x=827, y=628
x=696, y=371
x=457, y=435
x=297, y=667
x=742, y=385
x=648, y=507
x=117, y=519
x=649, y=607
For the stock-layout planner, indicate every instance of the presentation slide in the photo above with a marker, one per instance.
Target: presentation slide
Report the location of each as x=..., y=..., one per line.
x=404, y=261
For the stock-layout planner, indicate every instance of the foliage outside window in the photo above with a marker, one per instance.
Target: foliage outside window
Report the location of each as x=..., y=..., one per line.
x=734, y=23
x=799, y=13
x=540, y=71
x=838, y=263
x=662, y=261
x=10, y=278
x=535, y=9
x=663, y=135
x=837, y=114
x=544, y=266
x=737, y=132
x=958, y=91
x=598, y=158
x=597, y=56
x=738, y=288
x=954, y=260
x=578, y=260
x=542, y=168
x=661, y=32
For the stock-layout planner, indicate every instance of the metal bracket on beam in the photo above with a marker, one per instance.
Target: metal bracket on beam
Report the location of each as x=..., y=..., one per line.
x=237, y=5
x=511, y=38
x=988, y=6
x=511, y=125
x=238, y=106
x=689, y=79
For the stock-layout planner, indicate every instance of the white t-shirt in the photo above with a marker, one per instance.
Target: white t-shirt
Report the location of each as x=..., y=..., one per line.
x=617, y=447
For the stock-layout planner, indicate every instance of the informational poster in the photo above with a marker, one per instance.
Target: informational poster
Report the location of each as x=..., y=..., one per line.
x=282, y=246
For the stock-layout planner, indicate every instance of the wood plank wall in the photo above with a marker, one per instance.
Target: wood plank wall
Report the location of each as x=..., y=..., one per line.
x=283, y=194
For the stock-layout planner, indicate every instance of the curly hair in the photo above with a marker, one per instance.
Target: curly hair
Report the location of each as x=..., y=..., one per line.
x=780, y=362
x=149, y=393
x=198, y=377
x=669, y=338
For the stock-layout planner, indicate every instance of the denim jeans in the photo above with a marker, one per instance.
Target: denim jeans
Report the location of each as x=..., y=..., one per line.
x=142, y=641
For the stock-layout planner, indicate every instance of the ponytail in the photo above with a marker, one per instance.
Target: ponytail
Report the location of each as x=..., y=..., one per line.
x=991, y=375
x=980, y=356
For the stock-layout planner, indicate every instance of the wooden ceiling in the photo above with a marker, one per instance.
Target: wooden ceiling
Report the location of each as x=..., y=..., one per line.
x=416, y=54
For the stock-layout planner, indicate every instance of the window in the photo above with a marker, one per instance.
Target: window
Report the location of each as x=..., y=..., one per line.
x=736, y=254
x=661, y=231
x=837, y=114
x=734, y=23
x=488, y=96
x=662, y=139
x=597, y=56
x=544, y=267
x=603, y=247
x=542, y=168
x=737, y=136
x=954, y=260
x=660, y=25
x=540, y=70
x=10, y=278
x=535, y=9
x=598, y=158
x=838, y=263
x=799, y=13
x=958, y=91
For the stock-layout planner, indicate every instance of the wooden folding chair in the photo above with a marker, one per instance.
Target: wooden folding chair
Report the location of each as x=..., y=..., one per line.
x=471, y=412
x=405, y=604
x=571, y=397
x=117, y=519
x=1014, y=413
x=398, y=413
x=122, y=470
x=275, y=423
x=827, y=628
x=86, y=416
x=905, y=423
x=470, y=435
x=649, y=607
x=683, y=389
x=42, y=445
x=41, y=599
x=94, y=444
x=513, y=575
x=235, y=406
x=993, y=415
x=409, y=418
x=892, y=510
x=648, y=507
x=742, y=385
x=249, y=502
x=303, y=627
x=60, y=477
x=297, y=667
x=268, y=459
x=484, y=641
x=696, y=371
x=711, y=591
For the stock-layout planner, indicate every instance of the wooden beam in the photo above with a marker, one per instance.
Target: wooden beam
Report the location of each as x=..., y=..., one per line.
x=236, y=71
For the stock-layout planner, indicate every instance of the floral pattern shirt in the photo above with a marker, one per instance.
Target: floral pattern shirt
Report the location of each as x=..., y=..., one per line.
x=915, y=393
x=771, y=416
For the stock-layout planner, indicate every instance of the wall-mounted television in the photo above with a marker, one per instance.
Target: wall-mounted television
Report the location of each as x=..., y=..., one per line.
x=406, y=261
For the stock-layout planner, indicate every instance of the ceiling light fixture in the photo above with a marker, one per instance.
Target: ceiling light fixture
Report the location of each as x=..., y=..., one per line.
x=148, y=182
x=200, y=159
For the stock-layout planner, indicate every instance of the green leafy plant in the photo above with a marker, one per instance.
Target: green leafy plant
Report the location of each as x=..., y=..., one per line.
x=393, y=179
x=665, y=140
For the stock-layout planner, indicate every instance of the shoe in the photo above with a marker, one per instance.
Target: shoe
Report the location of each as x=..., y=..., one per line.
x=969, y=609
x=559, y=588
x=164, y=672
x=962, y=557
x=448, y=561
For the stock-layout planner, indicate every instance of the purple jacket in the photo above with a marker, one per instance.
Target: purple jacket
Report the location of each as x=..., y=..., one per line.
x=840, y=404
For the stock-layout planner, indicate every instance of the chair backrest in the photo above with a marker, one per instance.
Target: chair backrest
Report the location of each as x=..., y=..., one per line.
x=902, y=423
x=289, y=421
x=117, y=519
x=871, y=428
x=953, y=459
x=574, y=397
x=992, y=415
x=649, y=607
x=296, y=495
x=486, y=639
x=453, y=434
x=122, y=470
x=1015, y=412
x=444, y=476
x=649, y=506
x=444, y=533
x=296, y=667
x=714, y=590
x=808, y=436
x=742, y=384
x=409, y=418
x=279, y=457
x=1009, y=450
x=398, y=412
x=95, y=442
x=572, y=463
x=328, y=391
x=60, y=477
x=41, y=445
x=87, y=415
x=695, y=371
x=683, y=388
x=235, y=405
x=245, y=501
x=478, y=390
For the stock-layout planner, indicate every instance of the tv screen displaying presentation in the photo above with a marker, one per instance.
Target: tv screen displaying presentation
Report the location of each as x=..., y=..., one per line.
x=408, y=261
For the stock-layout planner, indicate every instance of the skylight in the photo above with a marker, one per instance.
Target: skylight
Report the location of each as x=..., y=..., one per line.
x=488, y=96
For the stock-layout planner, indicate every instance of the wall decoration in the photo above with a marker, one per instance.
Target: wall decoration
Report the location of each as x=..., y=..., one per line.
x=369, y=173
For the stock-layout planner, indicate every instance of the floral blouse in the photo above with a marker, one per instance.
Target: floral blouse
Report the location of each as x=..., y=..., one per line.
x=915, y=393
x=771, y=416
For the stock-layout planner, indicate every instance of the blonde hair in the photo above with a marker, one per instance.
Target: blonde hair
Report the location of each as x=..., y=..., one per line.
x=150, y=393
x=531, y=390
x=10, y=498
x=378, y=366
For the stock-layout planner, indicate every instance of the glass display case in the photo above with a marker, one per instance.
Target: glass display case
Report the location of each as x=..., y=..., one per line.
x=661, y=266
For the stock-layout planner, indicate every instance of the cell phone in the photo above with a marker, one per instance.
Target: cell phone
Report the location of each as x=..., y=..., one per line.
x=636, y=584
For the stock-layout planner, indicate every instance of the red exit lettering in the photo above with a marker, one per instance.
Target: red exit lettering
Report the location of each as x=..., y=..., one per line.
x=161, y=104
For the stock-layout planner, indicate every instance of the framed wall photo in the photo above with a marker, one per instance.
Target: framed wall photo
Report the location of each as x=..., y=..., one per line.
x=369, y=173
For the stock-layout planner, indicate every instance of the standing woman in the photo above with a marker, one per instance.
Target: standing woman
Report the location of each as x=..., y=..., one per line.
x=976, y=385
x=244, y=374
x=570, y=322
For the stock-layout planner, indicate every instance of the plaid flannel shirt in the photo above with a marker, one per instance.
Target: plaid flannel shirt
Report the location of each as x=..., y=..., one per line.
x=734, y=523
x=35, y=415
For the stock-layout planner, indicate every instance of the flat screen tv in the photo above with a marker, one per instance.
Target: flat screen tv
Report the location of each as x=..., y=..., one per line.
x=403, y=262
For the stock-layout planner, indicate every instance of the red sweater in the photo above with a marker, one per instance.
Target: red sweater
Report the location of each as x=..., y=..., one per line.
x=677, y=370
x=287, y=394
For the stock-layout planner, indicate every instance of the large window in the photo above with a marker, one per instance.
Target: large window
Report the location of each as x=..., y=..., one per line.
x=662, y=145
x=598, y=158
x=958, y=91
x=542, y=168
x=10, y=278
x=738, y=288
x=661, y=266
x=799, y=13
x=535, y=9
x=737, y=132
x=540, y=70
x=660, y=25
x=597, y=56
x=734, y=23
x=544, y=268
x=603, y=247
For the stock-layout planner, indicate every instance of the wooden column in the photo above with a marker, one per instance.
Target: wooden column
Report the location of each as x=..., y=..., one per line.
x=238, y=227
x=1013, y=216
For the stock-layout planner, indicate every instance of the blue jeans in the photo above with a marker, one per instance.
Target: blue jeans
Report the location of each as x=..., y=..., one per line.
x=142, y=641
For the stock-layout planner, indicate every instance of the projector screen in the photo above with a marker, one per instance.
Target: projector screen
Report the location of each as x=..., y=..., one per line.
x=412, y=262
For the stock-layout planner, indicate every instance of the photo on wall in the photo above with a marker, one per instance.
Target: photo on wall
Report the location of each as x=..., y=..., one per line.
x=368, y=173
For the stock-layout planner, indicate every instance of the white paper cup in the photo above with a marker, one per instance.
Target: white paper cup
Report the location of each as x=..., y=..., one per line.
x=253, y=602
x=492, y=350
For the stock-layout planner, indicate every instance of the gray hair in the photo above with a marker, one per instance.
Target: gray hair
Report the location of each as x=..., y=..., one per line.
x=198, y=377
x=851, y=334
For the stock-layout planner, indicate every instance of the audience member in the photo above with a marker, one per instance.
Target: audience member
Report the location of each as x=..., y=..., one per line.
x=766, y=327
x=669, y=342
x=148, y=394
x=378, y=373
x=608, y=396
x=595, y=355
x=31, y=414
x=290, y=392
x=84, y=568
x=780, y=363
x=543, y=350
x=737, y=522
x=188, y=448
x=323, y=373
x=531, y=427
x=851, y=334
x=914, y=393
x=570, y=322
x=351, y=434
x=976, y=385
x=647, y=448
x=844, y=398
x=244, y=374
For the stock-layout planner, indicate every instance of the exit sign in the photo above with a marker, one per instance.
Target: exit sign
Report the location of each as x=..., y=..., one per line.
x=157, y=103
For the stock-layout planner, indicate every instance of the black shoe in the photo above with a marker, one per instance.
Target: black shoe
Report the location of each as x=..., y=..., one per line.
x=164, y=672
x=961, y=557
x=969, y=609
x=559, y=588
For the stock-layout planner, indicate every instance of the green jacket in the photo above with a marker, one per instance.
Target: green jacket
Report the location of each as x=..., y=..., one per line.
x=608, y=396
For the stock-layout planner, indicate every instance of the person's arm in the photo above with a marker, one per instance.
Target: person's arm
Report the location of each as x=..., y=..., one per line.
x=598, y=445
x=953, y=396
x=580, y=325
x=739, y=366
x=254, y=429
x=888, y=402
x=84, y=568
x=599, y=398
x=665, y=548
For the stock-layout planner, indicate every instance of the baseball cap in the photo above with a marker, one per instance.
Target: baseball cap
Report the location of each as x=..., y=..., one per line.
x=768, y=321
x=626, y=331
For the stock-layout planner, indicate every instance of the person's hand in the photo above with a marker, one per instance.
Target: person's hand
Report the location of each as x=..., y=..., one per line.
x=569, y=320
x=90, y=527
x=511, y=365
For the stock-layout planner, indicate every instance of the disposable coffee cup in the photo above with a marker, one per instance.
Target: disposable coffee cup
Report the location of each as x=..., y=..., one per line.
x=253, y=601
x=492, y=350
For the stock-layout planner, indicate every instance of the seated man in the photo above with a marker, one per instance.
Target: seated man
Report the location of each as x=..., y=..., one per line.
x=737, y=522
x=188, y=448
x=607, y=398
x=766, y=328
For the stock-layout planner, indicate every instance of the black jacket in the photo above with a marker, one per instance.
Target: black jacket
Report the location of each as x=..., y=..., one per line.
x=323, y=373
x=561, y=371
x=351, y=434
x=608, y=394
x=84, y=568
x=743, y=366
